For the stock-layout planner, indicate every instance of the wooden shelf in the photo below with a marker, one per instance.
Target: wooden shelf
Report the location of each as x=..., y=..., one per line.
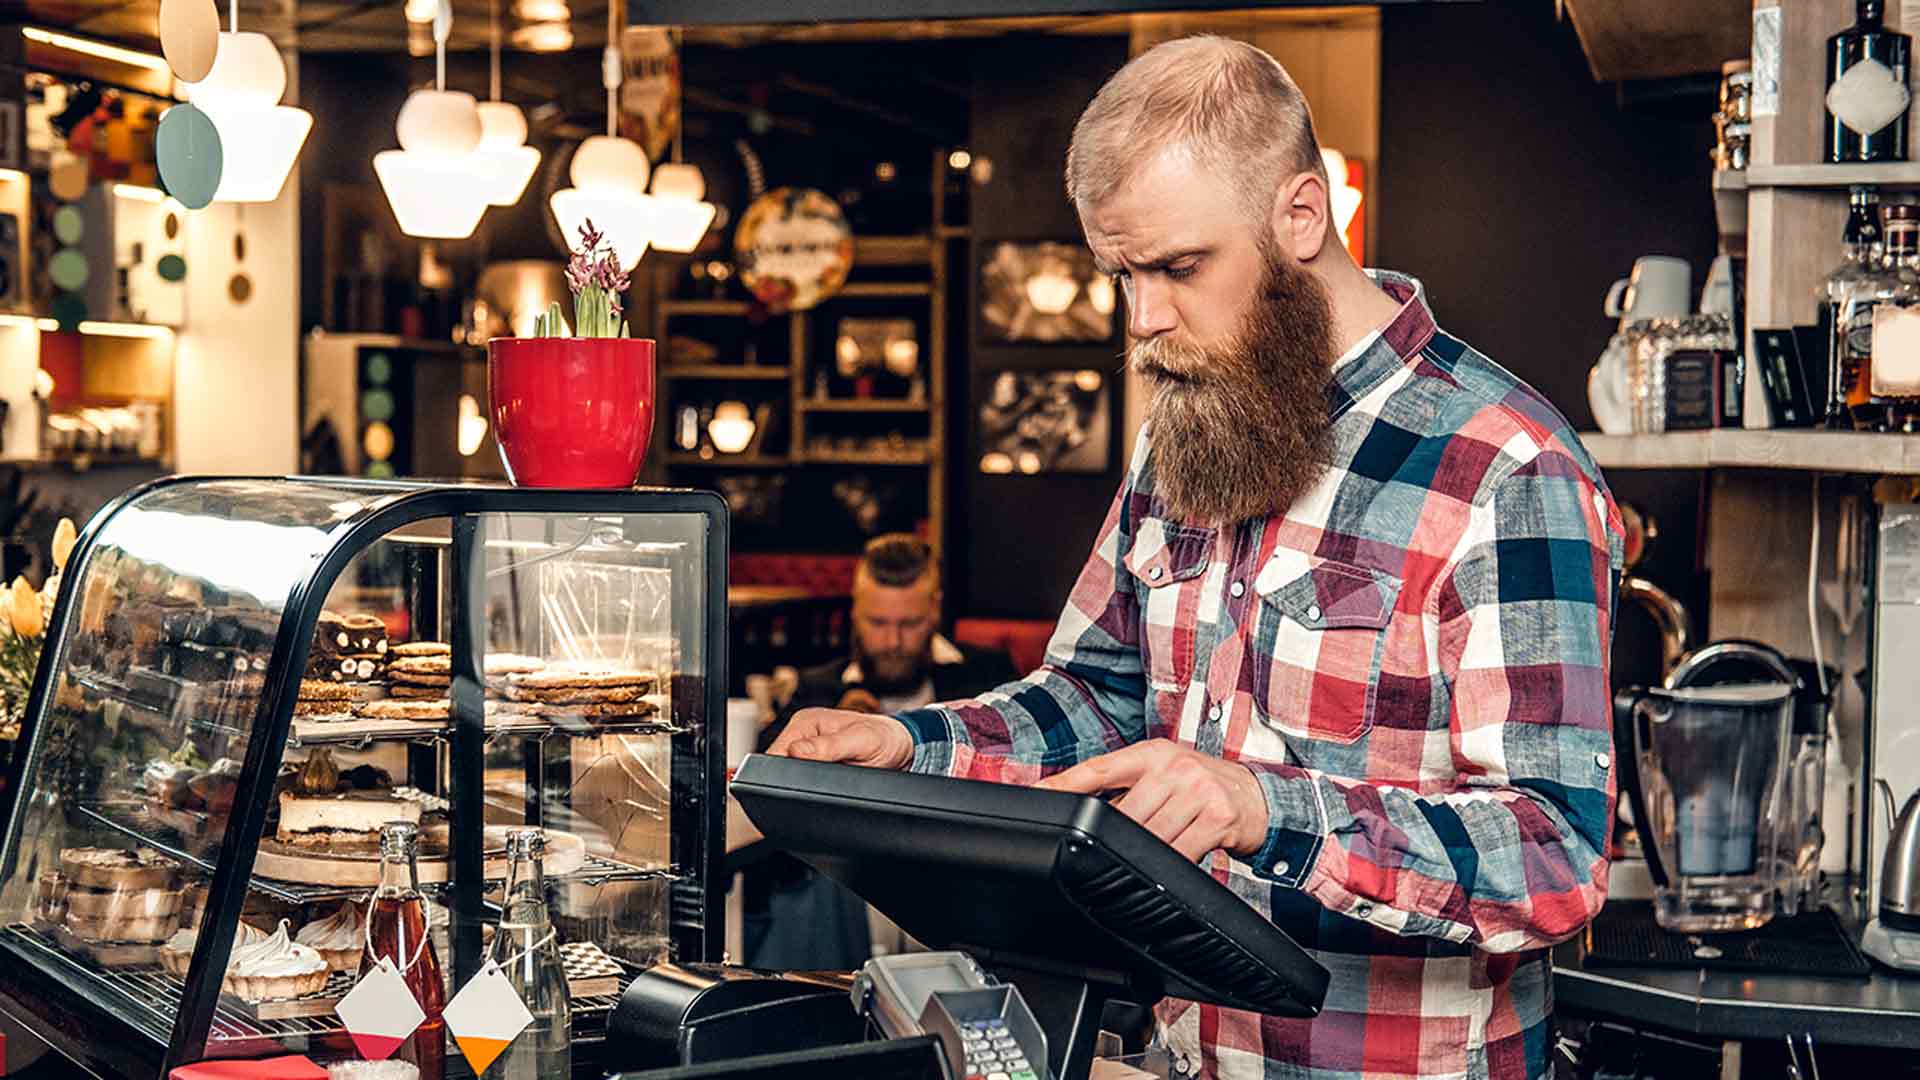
x=867, y=290
x=1893, y=174
x=721, y=371
x=704, y=307
x=728, y=461
x=858, y=405
x=911, y=250
x=1730, y=448
x=840, y=457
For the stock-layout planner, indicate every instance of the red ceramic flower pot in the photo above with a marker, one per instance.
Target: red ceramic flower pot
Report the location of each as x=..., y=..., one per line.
x=571, y=412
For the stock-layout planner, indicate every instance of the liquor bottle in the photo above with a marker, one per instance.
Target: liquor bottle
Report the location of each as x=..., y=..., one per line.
x=529, y=954
x=397, y=931
x=1894, y=384
x=1867, y=94
x=1888, y=280
x=1835, y=295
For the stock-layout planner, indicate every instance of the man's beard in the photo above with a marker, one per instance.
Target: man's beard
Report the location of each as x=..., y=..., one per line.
x=1239, y=429
x=891, y=672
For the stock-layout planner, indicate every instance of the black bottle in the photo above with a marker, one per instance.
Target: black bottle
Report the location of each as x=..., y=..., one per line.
x=1867, y=93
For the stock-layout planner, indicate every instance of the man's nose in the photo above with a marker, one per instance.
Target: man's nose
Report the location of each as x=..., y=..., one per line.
x=1149, y=309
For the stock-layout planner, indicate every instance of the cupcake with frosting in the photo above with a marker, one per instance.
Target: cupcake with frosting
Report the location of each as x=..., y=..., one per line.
x=338, y=938
x=275, y=967
x=176, y=955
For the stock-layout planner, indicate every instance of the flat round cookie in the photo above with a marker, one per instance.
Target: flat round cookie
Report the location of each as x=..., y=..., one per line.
x=397, y=709
x=557, y=678
x=414, y=650
x=579, y=695
x=322, y=708
x=404, y=692
x=421, y=665
x=401, y=678
x=631, y=709
x=316, y=690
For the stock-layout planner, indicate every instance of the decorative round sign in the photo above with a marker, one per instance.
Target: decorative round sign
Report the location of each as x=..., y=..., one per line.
x=68, y=269
x=171, y=268
x=189, y=37
x=69, y=225
x=794, y=248
x=188, y=147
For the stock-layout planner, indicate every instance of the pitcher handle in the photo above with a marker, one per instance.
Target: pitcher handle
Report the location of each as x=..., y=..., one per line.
x=1627, y=705
x=1886, y=796
x=1615, y=294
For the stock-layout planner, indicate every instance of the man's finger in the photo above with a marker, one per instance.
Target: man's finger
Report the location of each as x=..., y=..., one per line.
x=849, y=746
x=1119, y=769
x=1145, y=799
x=1175, y=817
x=1194, y=841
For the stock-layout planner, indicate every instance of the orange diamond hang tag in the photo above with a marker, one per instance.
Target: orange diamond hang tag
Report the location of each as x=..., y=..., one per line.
x=380, y=1012
x=486, y=1016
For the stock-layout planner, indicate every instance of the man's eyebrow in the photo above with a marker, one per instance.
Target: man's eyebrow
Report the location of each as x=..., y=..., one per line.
x=1152, y=262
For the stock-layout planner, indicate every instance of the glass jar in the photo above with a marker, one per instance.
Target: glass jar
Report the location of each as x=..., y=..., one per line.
x=1649, y=343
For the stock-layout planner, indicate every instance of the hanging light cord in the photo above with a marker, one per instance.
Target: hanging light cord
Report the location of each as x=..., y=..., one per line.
x=233, y=16
x=493, y=21
x=442, y=29
x=610, y=66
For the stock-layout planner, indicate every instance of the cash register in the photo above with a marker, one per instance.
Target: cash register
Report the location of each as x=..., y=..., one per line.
x=1041, y=907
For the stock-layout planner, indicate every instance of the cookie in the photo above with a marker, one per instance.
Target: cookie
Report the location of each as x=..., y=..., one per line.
x=325, y=690
x=322, y=708
x=395, y=709
x=413, y=650
x=631, y=710
x=562, y=678
x=421, y=665
x=578, y=695
x=404, y=692
x=401, y=678
x=512, y=664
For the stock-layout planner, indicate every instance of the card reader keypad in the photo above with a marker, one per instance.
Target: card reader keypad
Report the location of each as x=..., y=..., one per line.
x=992, y=1053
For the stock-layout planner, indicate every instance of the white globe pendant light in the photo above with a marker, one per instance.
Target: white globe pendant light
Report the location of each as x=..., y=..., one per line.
x=260, y=136
x=680, y=218
x=504, y=160
x=429, y=181
x=609, y=176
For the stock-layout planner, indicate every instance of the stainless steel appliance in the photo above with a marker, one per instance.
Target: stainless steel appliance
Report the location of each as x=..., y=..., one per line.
x=1893, y=937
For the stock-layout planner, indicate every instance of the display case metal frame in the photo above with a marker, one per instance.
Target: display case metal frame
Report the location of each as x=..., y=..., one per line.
x=81, y=1021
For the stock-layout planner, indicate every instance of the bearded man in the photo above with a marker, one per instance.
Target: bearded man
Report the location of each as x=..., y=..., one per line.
x=1343, y=636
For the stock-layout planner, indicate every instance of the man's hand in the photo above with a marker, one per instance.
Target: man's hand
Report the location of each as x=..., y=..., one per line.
x=851, y=738
x=858, y=699
x=1194, y=802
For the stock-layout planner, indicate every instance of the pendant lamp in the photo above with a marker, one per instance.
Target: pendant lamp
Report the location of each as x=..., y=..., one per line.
x=260, y=137
x=429, y=180
x=609, y=176
x=504, y=161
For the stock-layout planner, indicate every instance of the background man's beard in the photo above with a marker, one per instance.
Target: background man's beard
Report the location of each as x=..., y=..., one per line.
x=891, y=673
x=1239, y=430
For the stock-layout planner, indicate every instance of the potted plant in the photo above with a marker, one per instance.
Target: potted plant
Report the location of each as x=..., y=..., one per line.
x=575, y=409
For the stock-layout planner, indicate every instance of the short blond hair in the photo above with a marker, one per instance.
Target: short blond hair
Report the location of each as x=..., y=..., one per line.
x=1229, y=105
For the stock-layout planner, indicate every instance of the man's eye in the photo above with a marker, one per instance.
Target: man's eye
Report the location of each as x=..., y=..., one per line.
x=1182, y=271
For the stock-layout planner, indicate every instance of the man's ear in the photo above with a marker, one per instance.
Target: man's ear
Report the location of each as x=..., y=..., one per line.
x=1302, y=216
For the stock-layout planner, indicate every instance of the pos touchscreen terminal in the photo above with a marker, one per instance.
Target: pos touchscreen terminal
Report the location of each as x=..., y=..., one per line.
x=1061, y=895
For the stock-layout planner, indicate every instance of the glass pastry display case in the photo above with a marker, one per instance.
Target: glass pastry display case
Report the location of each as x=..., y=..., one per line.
x=244, y=680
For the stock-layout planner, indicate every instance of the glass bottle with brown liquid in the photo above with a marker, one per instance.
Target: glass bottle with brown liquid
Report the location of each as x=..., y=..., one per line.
x=397, y=931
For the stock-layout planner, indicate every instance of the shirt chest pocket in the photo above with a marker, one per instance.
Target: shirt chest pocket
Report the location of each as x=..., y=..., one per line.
x=1319, y=634
x=1168, y=562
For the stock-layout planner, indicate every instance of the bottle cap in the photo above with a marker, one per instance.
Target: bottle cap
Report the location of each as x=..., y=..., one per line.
x=399, y=840
x=526, y=843
x=1901, y=212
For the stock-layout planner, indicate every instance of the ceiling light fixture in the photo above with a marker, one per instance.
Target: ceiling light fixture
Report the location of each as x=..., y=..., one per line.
x=505, y=160
x=99, y=49
x=429, y=180
x=609, y=176
x=544, y=37
x=260, y=138
x=537, y=11
x=680, y=217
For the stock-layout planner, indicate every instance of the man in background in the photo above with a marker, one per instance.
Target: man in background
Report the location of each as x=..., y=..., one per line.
x=795, y=918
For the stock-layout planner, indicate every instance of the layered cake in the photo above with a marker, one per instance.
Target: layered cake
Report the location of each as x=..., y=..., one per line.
x=119, y=896
x=274, y=967
x=343, y=819
x=340, y=938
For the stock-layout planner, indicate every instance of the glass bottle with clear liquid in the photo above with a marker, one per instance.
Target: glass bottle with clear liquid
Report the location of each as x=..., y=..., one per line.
x=528, y=953
x=397, y=930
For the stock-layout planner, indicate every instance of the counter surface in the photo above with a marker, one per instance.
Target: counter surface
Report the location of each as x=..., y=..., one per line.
x=1880, y=1010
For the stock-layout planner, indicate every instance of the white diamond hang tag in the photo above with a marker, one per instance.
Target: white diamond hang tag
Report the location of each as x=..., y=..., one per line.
x=380, y=1012
x=485, y=1016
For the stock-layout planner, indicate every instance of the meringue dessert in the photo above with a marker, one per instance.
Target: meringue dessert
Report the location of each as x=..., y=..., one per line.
x=338, y=938
x=274, y=967
x=177, y=954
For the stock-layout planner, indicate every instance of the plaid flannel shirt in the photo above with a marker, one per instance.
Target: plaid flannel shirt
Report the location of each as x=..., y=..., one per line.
x=1413, y=662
